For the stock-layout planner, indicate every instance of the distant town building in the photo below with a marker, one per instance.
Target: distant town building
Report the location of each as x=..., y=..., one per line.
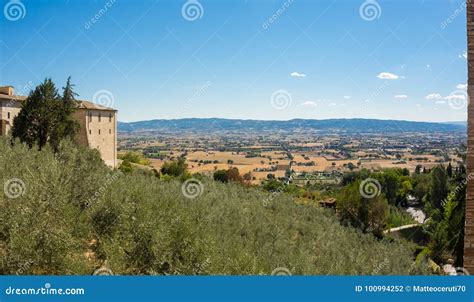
x=98, y=124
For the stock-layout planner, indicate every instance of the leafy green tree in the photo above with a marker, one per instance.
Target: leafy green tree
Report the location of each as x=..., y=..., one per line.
x=273, y=185
x=421, y=185
x=135, y=157
x=449, y=170
x=46, y=117
x=418, y=169
x=220, y=175
x=368, y=214
x=390, y=185
x=438, y=187
x=175, y=168
x=351, y=166
x=454, y=217
x=126, y=167
x=405, y=172
x=233, y=175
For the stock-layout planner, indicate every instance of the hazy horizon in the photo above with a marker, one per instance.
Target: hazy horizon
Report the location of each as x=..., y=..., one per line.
x=284, y=120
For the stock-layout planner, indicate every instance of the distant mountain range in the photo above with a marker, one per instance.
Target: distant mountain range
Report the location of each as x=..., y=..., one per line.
x=209, y=125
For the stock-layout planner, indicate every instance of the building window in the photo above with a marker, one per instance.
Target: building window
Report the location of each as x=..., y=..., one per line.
x=90, y=117
x=8, y=115
x=99, y=129
x=110, y=131
x=90, y=131
x=99, y=117
x=110, y=117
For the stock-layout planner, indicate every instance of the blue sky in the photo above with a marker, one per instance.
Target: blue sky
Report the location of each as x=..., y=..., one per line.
x=245, y=59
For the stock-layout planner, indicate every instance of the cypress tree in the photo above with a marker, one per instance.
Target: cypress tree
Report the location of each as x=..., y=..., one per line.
x=46, y=116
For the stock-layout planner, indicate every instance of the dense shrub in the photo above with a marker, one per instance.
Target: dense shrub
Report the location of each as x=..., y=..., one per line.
x=135, y=157
x=76, y=215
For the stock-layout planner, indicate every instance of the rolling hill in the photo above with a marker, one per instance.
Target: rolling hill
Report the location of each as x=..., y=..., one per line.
x=324, y=126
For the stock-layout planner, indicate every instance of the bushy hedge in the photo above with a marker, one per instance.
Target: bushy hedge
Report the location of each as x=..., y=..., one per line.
x=76, y=215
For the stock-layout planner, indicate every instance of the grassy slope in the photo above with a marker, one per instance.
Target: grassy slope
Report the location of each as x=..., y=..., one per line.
x=142, y=225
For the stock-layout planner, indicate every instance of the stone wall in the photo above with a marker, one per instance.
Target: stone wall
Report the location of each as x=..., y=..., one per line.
x=101, y=131
x=469, y=225
x=8, y=110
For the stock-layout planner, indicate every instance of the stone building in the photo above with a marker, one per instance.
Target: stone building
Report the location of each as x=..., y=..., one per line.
x=98, y=124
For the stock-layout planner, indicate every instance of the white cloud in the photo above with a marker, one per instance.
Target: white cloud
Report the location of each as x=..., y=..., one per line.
x=309, y=104
x=347, y=97
x=298, y=75
x=433, y=96
x=463, y=55
x=401, y=96
x=428, y=66
x=461, y=86
x=440, y=102
x=332, y=104
x=452, y=97
x=387, y=76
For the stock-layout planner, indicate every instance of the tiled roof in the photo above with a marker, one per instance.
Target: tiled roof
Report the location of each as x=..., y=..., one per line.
x=90, y=105
x=82, y=104
x=12, y=97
